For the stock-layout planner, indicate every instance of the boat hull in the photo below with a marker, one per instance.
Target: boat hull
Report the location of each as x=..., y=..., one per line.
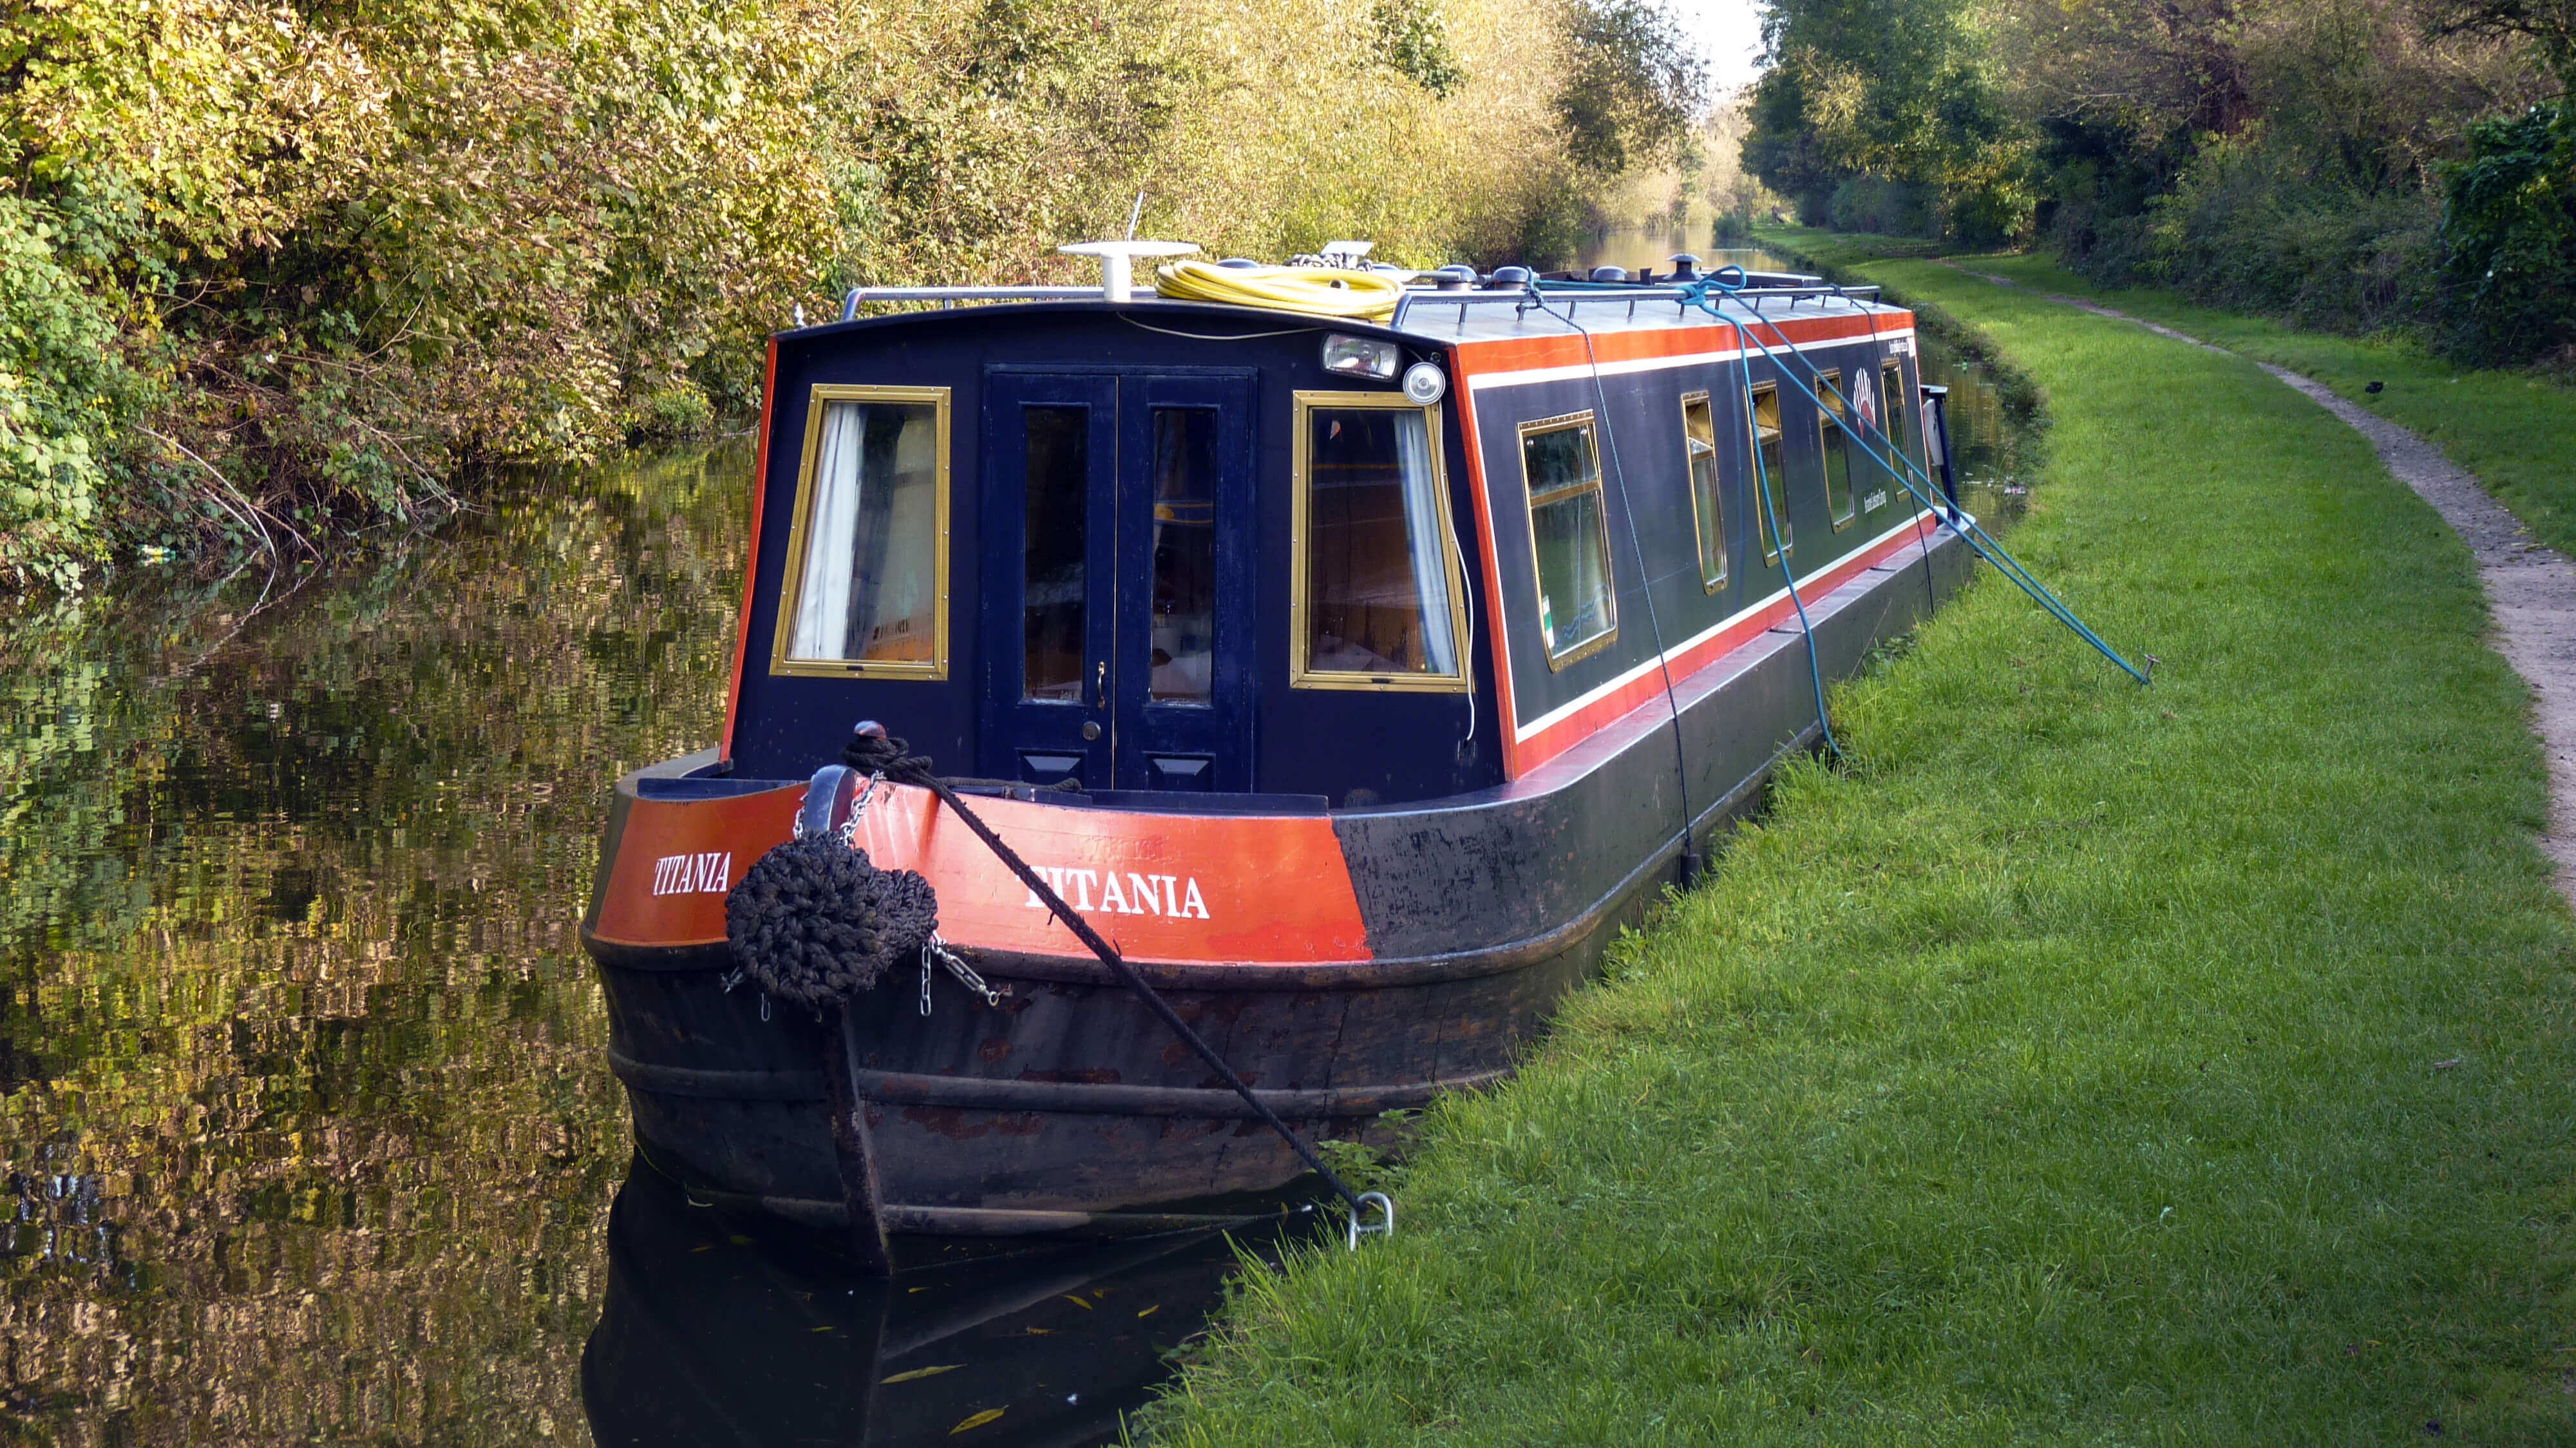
x=1069, y=1108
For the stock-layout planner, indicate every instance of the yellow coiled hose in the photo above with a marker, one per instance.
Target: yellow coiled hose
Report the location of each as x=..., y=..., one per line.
x=1323, y=291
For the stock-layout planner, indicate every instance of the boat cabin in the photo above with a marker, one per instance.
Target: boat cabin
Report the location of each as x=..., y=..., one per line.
x=1165, y=554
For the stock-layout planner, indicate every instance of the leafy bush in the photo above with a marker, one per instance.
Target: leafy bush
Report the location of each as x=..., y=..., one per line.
x=2257, y=225
x=2509, y=237
x=1885, y=208
x=63, y=385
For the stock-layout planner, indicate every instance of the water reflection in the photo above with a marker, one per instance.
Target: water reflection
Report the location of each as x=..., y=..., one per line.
x=712, y=1336
x=301, y=1109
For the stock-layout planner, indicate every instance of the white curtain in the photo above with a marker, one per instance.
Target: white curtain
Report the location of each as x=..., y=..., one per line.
x=831, y=538
x=1426, y=528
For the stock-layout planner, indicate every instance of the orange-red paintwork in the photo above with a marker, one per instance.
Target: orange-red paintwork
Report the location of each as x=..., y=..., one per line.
x=1499, y=646
x=751, y=563
x=1207, y=889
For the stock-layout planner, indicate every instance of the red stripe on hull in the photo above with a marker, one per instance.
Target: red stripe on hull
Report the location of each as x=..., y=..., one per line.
x=1574, y=728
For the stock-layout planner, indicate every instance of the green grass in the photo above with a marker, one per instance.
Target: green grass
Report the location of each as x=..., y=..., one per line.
x=2070, y=1069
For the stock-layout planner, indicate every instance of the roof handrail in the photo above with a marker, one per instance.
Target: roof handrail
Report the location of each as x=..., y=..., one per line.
x=1678, y=293
x=850, y=303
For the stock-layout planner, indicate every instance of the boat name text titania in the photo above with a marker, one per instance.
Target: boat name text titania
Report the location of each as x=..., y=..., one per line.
x=1174, y=897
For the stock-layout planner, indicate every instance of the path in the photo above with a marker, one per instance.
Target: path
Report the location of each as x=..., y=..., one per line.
x=2531, y=588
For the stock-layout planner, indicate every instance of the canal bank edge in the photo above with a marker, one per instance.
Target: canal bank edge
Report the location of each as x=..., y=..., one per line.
x=2085, y=1061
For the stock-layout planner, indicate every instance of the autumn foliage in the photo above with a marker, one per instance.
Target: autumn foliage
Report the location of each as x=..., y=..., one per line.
x=268, y=270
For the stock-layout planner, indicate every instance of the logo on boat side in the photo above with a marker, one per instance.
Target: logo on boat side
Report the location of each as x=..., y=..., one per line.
x=707, y=874
x=1174, y=897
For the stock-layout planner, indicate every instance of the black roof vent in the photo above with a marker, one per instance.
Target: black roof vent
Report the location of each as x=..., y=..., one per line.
x=1609, y=274
x=1510, y=278
x=1685, y=267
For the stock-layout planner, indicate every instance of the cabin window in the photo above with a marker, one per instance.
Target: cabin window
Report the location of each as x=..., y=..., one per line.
x=1053, y=577
x=1892, y=388
x=867, y=567
x=1377, y=602
x=1578, y=615
x=1184, y=642
x=1836, y=448
x=1708, y=507
x=1770, y=474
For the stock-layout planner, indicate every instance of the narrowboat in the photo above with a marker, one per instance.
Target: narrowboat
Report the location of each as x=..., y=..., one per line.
x=1358, y=678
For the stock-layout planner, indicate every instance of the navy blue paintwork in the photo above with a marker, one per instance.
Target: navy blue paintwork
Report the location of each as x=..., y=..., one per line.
x=1264, y=735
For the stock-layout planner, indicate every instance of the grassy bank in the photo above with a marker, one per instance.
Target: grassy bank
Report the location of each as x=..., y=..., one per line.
x=2085, y=1064
x=2514, y=429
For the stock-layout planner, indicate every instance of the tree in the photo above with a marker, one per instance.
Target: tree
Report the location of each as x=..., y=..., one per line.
x=2550, y=25
x=1632, y=89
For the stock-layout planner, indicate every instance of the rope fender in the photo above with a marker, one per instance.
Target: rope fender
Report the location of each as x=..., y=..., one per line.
x=814, y=922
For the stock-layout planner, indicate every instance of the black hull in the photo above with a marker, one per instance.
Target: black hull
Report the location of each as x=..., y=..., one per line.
x=1070, y=1109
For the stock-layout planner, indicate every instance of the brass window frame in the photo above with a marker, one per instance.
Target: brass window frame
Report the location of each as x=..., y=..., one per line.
x=793, y=582
x=1700, y=527
x=1829, y=413
x=1558, y=662
x=1755, y=473
x=1301, y=671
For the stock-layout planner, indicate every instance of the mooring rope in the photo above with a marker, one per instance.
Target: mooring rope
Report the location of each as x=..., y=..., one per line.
x=1961, y=521
x=872, y=751
x=1695, y=293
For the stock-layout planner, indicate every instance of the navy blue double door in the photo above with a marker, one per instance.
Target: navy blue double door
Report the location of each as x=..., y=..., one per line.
x=1117, y=629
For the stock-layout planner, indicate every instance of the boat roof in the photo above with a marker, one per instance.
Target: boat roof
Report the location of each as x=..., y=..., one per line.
x=1450, y=317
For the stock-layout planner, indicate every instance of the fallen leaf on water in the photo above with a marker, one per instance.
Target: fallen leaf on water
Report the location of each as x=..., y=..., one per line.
x=925, y=1372
x=978, y=1421
x=1078, y=1302
x=1040, y=1331
x=1150, y=1311
x=709, y=1247
x=826, y=1327
x=739, y=1241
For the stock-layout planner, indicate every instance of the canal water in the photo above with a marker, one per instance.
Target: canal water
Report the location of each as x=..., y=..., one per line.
x=306, y=1132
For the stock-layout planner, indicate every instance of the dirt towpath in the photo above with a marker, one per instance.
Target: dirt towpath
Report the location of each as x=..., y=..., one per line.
x=2531, y=588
